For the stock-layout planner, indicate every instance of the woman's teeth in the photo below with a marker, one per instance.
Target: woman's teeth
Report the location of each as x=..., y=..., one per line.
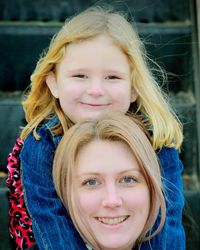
x=112, y=221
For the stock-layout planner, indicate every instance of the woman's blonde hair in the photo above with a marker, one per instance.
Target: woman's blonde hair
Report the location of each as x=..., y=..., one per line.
x=150, y=104
x=115, y=127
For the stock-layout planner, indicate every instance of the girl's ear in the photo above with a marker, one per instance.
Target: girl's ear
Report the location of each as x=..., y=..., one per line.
x=52, y=84
x=133, y=95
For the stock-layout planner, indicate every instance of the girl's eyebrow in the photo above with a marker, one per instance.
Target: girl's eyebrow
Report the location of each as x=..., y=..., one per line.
x=117, y=72
x=107, y=72
x=76, y=70
x=86, y=69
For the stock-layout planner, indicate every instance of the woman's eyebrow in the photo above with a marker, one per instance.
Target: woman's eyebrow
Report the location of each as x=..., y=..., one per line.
x=119, y=173
x=130, y=171
x=88, y=173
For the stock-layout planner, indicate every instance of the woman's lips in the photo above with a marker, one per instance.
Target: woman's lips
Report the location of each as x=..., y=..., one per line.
x=112, y=221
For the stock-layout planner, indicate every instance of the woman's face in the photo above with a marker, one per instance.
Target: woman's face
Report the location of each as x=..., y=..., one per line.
x=111, y=194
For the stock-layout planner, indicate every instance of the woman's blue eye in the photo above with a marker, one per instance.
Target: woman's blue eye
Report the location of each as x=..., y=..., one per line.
x=90, y=182
x=128, y=180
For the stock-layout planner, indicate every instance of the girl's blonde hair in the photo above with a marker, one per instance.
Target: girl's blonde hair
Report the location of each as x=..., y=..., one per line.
x=150, y=104
x=115, y=127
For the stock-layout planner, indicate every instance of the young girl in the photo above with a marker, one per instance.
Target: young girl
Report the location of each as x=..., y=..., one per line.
x=95, y=64
x=107, y=175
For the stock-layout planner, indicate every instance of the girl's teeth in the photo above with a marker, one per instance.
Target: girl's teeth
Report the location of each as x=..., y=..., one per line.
x=113, y=221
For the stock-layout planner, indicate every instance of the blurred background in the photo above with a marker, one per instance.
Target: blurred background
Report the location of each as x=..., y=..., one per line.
x=171, y=32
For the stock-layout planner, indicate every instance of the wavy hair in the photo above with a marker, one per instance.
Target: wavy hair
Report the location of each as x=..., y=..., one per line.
x=115, y=127
x=150, y=103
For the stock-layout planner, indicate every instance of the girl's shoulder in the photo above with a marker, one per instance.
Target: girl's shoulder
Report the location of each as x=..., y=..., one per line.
x=48, y=124
x=45, y=132
x=169, y=159
x=166, y=153
x=40, y=150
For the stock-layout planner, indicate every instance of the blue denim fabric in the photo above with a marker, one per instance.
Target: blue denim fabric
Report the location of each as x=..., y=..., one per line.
x=52, y=226
x=172, y=236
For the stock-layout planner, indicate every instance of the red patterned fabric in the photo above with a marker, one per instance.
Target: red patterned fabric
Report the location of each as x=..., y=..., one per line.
x=20, y=224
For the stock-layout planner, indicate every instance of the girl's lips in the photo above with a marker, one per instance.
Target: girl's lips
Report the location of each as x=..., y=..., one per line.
x=94, y=105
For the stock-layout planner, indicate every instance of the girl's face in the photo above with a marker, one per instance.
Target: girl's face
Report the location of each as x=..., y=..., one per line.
x=111, y=194
x=92, y=79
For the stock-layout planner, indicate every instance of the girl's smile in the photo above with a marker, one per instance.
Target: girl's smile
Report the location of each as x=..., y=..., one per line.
x=94, y=105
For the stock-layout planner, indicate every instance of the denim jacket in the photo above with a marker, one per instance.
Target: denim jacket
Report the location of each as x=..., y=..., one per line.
x=52, y=226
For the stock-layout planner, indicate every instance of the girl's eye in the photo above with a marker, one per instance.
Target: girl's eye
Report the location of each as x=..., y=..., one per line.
x=91, y=182
x=128, y=180
x=81, y=76
x=112, y=77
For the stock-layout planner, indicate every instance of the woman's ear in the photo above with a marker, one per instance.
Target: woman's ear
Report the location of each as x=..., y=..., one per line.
x=52, y=84
x=133, y=95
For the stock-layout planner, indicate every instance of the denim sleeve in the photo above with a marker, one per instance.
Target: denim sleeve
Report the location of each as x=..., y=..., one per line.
x=172, y=236
x=52, y=227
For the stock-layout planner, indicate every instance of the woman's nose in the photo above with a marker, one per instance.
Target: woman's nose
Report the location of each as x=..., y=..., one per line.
x=112, y=198
x=95, y=88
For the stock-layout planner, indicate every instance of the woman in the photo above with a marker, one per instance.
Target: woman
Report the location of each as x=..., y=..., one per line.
x=107, y=176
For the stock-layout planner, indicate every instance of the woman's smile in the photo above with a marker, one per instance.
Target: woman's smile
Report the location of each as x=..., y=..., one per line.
x=111, y=193
x=112, y=221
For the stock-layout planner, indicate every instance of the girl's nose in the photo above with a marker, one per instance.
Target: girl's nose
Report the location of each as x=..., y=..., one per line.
x=112, y=198
x=95, y=89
